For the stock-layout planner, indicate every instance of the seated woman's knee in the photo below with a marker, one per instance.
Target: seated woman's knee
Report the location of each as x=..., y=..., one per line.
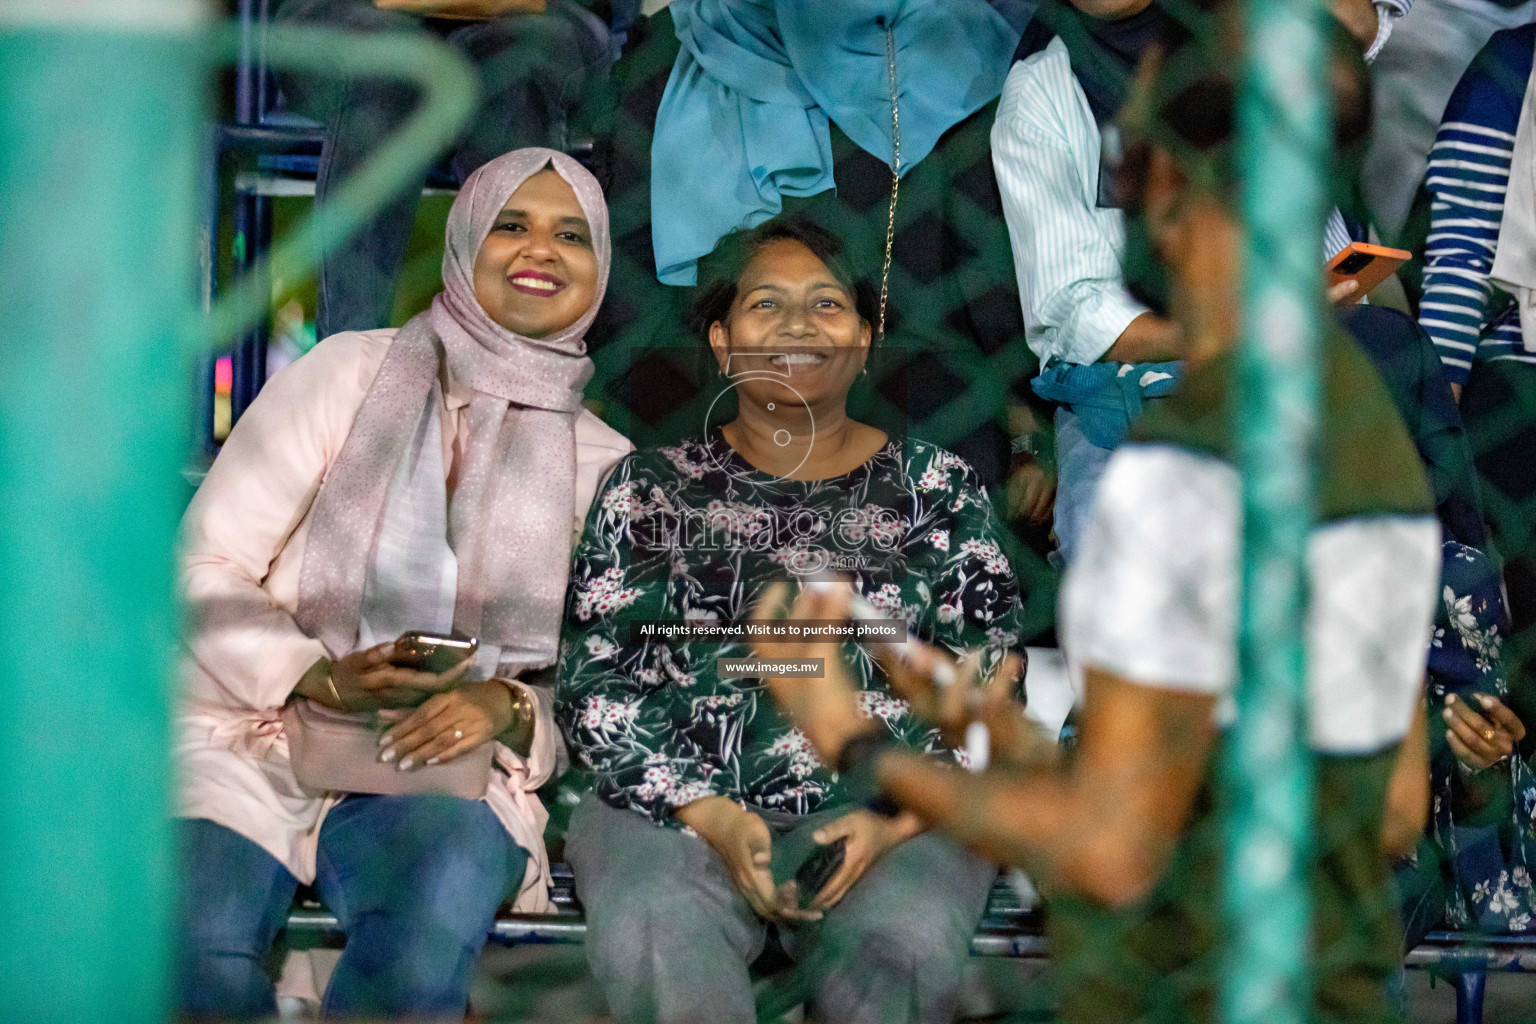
x=445, y=869
x=644, y=921
x=907, y=941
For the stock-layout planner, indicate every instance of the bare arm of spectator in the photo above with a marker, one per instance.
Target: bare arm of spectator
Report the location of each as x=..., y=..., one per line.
x=1408, y=791
x=1370, y=22
x=1361, y=18
x=1104, y=827
x=1147, y=339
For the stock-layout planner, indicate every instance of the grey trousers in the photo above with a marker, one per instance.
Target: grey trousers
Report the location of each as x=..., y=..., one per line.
x=670, y=939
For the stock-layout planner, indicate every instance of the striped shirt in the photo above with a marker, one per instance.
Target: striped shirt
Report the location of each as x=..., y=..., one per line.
x=1068, y=247
x=1469, y=319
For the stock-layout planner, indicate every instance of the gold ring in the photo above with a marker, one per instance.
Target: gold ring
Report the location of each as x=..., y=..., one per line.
x=458, y=734
x=1488, y=734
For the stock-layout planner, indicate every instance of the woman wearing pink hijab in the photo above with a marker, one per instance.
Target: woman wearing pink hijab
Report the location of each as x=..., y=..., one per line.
x=430, y=478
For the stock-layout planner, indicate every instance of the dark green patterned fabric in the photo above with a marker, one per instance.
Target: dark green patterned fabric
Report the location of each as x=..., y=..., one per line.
x=693, y=532
x=1156, y=962
x=1367, y=462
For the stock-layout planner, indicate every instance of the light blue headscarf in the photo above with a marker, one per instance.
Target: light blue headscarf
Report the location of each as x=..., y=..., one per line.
x=744, y=120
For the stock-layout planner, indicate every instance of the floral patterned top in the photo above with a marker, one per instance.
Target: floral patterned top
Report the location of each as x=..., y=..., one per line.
x=1489, y=853
x=694, y=532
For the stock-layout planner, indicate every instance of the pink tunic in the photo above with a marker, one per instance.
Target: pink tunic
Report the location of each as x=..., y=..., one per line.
x=242, y=547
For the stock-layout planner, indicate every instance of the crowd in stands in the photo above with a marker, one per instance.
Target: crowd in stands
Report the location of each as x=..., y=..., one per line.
x=418, y=575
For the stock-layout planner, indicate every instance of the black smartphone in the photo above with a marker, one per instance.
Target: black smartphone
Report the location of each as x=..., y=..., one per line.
x=1354, y=263
x=433, y=652
x=819, y=868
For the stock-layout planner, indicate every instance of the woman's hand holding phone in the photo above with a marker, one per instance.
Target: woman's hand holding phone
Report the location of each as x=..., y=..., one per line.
x=864, y=837
x=1481, y=740
x=1343, y=293
x=745, y=843
x=1364, y=265
x=369, y=680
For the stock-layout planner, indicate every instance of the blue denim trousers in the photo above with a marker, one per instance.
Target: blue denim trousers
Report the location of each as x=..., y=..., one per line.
x=415, y=882
x=1079, y=465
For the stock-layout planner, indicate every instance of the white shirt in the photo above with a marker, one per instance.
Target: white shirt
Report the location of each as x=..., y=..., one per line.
x=1068, y=250
x=1153, y=597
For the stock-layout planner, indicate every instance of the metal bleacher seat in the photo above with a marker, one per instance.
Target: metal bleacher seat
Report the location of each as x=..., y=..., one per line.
x=1467, y=959
x=1006, y=930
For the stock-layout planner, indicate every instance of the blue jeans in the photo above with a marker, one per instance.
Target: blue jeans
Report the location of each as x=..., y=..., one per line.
x=1079, y=465
x=414, y=881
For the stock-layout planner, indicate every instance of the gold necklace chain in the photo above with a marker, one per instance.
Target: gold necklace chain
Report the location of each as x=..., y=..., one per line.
x=890, y=221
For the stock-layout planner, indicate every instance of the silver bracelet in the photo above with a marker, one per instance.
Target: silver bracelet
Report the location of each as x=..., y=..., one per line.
x=1467, y=772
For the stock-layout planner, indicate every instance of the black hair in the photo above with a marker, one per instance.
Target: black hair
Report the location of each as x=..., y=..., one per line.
x=1191, y=106
x=720, y=272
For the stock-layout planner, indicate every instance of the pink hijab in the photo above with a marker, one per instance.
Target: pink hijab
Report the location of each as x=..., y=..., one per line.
x=509, y=517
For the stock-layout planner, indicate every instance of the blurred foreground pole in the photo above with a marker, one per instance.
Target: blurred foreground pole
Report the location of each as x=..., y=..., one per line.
x=1267, y=777
x=100, y=106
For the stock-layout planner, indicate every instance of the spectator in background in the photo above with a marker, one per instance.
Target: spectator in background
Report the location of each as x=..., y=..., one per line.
x=534, y=58
x=1480, y=279
x=1414, y=77
x=1470, y=316
x=706, y=800
x=1126, y=837
x=723, y=113
x=1054, y=149
x=1475, y=869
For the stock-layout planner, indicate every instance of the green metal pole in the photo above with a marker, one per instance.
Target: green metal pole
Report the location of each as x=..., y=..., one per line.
x=1267, y=776
x=100, y=110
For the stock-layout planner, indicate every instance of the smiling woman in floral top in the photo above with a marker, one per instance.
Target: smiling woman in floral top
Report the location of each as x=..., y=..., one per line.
x=703, y=790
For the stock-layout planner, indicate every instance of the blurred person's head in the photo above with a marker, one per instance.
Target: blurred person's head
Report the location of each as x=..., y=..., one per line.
x=1179, y=173
x=782, y=309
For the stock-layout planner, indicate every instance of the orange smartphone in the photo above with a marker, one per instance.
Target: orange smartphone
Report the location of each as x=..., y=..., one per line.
x=1366, y=263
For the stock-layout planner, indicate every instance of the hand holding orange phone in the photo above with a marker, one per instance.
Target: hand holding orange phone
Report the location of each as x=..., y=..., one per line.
x=1367, y=265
